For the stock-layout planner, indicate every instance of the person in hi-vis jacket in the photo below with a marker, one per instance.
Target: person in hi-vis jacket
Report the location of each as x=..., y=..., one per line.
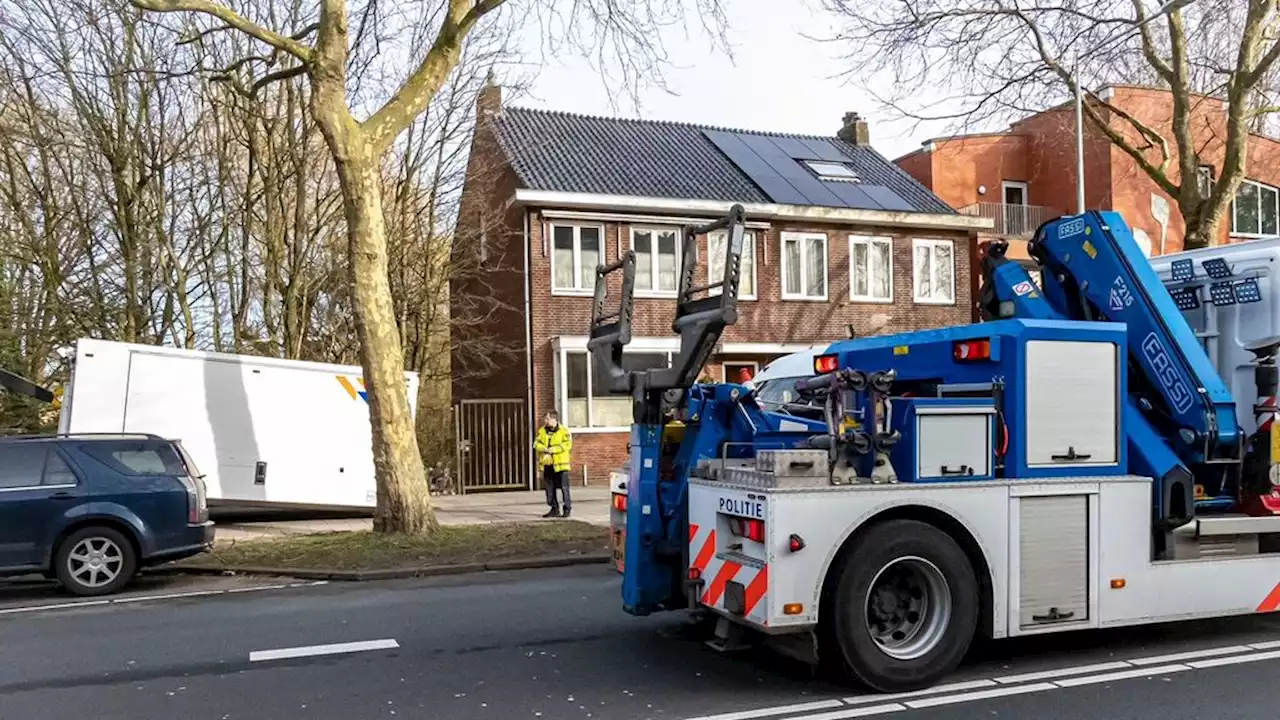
x=552, y=448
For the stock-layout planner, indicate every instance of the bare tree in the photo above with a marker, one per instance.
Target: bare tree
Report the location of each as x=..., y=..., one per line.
x=993, y=59
x=357, y=146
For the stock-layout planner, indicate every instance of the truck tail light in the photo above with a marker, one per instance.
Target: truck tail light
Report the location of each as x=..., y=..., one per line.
x=824, y=364
x=746, y=528
x=967, y=350
x=620, y=502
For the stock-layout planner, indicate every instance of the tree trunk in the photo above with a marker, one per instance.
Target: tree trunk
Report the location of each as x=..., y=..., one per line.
x=404, y=501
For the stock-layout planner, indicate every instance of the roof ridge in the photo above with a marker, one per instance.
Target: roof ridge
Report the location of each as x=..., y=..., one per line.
x=670, y=123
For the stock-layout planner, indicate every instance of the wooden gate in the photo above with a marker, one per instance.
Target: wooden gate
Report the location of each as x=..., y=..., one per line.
x=493, y=449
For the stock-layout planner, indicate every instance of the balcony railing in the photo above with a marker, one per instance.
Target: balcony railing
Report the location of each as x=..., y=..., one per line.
x=1012, y=221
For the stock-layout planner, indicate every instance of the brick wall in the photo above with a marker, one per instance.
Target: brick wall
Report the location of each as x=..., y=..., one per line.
x=768, y=319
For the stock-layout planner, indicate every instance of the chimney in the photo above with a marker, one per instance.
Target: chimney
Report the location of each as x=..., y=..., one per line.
x=489, y=100
x=854, y=130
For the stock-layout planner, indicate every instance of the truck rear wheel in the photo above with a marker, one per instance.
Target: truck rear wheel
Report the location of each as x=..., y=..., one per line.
x=905, y=606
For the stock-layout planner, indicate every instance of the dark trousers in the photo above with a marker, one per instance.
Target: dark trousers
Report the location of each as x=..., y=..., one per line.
x=554, y=480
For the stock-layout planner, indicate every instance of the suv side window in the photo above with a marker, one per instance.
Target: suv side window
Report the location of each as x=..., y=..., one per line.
x=137, y=458
x=57, y=472
x=22, y=465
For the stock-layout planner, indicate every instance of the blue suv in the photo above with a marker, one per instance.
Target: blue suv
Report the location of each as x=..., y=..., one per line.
x=90, y=510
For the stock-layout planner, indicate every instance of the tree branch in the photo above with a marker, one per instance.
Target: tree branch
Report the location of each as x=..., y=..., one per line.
x=416, y=92
x=232, y=19
x=1148, y=45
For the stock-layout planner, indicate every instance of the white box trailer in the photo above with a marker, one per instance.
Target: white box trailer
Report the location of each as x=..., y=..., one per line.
x=266, y=432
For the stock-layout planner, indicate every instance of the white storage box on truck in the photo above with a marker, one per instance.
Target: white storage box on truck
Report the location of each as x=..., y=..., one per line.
x=266, y=431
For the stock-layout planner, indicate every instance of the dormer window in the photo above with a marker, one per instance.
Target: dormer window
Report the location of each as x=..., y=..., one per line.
x=836, y=171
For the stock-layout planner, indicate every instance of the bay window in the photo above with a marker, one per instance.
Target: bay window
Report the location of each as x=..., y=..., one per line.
x=582, y=394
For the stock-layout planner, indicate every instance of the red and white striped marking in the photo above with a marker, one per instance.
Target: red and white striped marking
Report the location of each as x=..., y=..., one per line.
x=719, y=569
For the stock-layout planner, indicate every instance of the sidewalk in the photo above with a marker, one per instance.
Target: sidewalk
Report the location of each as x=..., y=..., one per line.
x=590, y=504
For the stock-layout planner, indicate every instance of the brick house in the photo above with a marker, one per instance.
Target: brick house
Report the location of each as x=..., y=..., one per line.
x=550, y=195
x=1027, y=174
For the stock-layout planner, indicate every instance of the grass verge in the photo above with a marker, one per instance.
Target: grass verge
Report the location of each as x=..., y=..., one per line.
x=450, y=545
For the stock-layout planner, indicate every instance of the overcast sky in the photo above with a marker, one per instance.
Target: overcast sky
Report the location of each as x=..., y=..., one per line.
x=779, y=80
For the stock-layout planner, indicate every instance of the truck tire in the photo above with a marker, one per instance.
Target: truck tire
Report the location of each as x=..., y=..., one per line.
x=905, y=606
x=95, y=560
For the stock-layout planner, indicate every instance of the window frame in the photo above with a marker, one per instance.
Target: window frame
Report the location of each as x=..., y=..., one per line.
x=816, y=167
x=724, y=368
x=800, y=237
x=915, y=270
x=1260, y=187
x=748, y=236
x=652, y=291
x=561, y=371
x=576, y=290
x=869, y=240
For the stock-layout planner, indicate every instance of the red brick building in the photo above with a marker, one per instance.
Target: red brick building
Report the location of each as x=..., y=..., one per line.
x=839, y=238
x=1027, y=174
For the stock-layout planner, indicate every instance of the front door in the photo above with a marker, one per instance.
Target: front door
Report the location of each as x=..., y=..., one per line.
x=36, y=489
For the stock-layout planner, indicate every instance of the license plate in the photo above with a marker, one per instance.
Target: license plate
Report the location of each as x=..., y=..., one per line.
x=619, y=542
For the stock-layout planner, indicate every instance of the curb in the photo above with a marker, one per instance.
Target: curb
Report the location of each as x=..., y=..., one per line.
x=390, y=573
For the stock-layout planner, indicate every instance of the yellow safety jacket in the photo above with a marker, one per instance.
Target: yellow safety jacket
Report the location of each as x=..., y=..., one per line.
x=557, y=444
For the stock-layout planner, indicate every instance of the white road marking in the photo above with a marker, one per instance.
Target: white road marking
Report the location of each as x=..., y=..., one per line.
x=145, y=598
x=1062, y=672
x=771, y=712
x=1191, y=655
x=857, y=712
x=1235, y=660
x=980, y=695
x=1122, y=675
x=314, y=650
x=935, y=690
x=1021, y=684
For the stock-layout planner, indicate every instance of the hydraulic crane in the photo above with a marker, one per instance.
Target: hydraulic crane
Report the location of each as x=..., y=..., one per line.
x=1035, y=473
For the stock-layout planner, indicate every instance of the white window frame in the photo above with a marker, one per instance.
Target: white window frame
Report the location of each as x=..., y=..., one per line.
x=800, y=237
x=819, y=168
x=931, y=243
x=561, y=388
x=748, y=242
x=1261, y=186
x=870, y=240
x=576, y=290
x=652, y=291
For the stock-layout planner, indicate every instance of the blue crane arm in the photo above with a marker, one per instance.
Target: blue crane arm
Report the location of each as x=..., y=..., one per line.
x=1094, y=270
x=1149, y=452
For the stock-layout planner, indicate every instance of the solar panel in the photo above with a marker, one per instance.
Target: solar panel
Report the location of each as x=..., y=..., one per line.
x=887, y=198
x=1247, y=291
x=855, y=195
x=824, y=150
x=813, y=190
x=760, y=172
x=1183, y=270
x=1217, y=268
x=795, y=149
x=1222, y=294
x=1186, y=298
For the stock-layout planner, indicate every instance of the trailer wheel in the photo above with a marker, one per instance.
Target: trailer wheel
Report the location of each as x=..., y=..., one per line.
x=905, y=606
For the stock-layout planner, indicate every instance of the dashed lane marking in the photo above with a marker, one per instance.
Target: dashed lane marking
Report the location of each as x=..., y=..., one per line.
x=316, y=650
x=155, y=598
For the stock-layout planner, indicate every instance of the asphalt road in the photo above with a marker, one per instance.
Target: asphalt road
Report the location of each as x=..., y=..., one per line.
x=555, y=644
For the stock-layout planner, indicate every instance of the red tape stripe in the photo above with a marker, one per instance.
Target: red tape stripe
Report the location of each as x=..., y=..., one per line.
x=726, y=573
x=757, y=589
x=708, y=549
x=1272, y=601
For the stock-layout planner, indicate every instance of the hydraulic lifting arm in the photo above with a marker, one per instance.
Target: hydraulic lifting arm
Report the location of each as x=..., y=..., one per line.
x=656, y=517
x=1179, y=415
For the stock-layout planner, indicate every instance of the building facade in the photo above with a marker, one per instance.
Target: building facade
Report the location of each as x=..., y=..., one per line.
x=1027, y=174
x=839, y=241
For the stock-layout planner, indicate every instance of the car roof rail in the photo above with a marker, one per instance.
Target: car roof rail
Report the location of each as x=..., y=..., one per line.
x=85, y=435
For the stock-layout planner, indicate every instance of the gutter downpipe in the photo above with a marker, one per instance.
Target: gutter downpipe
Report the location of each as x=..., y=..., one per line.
x=528, y=354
